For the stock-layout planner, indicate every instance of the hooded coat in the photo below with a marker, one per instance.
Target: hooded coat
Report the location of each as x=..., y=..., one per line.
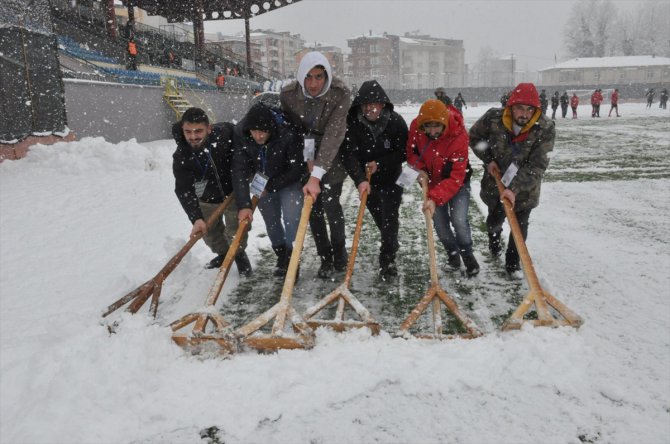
x=280, y=159
x=322, y=117
x=383, y=141
x=492, y=139
x=445, y=159
x=191, y=166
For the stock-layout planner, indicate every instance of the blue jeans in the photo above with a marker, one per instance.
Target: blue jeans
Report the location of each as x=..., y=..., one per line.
x=454, y=212
x=281, y=213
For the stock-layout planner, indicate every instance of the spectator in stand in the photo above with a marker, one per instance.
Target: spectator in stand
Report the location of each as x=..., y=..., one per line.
x=664, y=99
x=544, y=102
x=565, y=101
x=132, y=55
x=318, y=104
x=650, y=97
x=574, y=103
x=554, y=105
x=202, y=167
x=459, y=103
x=437, y=146
x=220, y=81
x=376, y=139
x=170, y=57
x=514, y=142
x=269, y=156
x=441, y=95
x=614, y=100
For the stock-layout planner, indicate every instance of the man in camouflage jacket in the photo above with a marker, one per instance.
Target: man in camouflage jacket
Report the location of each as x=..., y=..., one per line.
x=517, y=137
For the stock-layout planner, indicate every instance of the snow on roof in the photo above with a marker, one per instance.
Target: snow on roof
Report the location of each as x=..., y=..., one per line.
x=610, y=62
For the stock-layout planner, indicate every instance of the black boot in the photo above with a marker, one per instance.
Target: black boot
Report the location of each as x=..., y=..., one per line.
x=282, y=261
x=340, y=257
x=243, y=264
x=494, y=243
x=512, y=264
x=216, y=262
x=454, y=260
x=388, y=271
x=471, y=265
x=326, y=269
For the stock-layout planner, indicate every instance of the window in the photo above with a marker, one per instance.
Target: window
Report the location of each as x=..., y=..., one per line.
x=650, y=74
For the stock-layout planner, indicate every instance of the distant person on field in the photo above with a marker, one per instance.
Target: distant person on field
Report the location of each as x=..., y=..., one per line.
x=554, y=105
x=318, y=103
x=596, y=100
x=565, y=101
x=437, y=146
x=574, y=103
x=614, y=100
x=220, y=81
x=132, y=55
x=650, y=97
x=376, y=140
x=202, y=167
x=514, y=141
x=441, y=95
x=544, y=102
x=459, y=103
x=664, y=99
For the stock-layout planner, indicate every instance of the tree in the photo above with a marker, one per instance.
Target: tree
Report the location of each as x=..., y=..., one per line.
x=590, y=27
x=646, y=31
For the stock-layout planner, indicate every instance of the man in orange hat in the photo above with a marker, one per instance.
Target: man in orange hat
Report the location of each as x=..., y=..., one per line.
x=514, y=141
x=437, y=146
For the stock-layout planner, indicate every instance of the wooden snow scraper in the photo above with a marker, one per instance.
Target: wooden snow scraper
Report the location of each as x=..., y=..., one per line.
x=152, y=288
x=342, y=295
x=536, y=295
x=250, y=335
x=219, y=338
x=436, y=295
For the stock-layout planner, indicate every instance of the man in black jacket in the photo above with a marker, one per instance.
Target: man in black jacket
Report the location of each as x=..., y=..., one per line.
x=202, y=171
x=376, y=139
x=270, y=156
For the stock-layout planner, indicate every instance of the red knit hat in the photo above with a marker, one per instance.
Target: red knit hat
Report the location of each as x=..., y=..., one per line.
x=524, y=94
x=433, y=110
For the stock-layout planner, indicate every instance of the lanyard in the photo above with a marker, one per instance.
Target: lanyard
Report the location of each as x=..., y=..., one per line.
x=263, y=158
x=202, y=170
x=422, y=152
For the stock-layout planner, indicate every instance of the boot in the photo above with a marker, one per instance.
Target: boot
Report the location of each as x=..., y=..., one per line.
x=282, y=261
x=243, y=264
x=326, y=270
x=512, y=265
x=216, y=262
x=388, y=271
x=454, y=260
x=494, y=243
x=340, y=257
x=471, y=265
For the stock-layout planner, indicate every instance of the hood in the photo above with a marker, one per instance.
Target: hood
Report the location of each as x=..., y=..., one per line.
x=524, y=94
x=309, y=61
x=433, y=110
x=371, y=92
x=259, y=117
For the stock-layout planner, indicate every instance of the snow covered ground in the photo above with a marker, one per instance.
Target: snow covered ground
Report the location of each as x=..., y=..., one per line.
x=83, y=223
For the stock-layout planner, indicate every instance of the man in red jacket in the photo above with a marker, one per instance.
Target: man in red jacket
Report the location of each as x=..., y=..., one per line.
x=614, y=99
x=437, y=146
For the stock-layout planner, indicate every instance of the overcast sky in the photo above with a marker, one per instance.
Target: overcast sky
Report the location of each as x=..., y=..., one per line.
x=532, y=30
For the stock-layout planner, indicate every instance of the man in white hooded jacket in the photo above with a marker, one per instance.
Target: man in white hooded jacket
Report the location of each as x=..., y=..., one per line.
x=318, y=103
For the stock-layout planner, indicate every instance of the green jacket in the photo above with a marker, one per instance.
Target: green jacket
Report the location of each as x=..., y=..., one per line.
x=492, y=141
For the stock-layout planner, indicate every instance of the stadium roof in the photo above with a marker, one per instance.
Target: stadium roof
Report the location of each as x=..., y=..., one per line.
x=185, y=10
x=610, y=62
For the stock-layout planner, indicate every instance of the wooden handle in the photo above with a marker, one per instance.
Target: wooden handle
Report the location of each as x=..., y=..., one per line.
x=357, y=235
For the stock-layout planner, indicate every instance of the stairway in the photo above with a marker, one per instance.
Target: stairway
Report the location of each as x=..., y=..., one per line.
x=174, y=98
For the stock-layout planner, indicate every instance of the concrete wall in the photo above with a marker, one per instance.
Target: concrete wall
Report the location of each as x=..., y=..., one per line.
x=120, y=112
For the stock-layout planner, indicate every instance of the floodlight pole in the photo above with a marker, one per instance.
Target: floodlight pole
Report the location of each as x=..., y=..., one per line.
x=247, y=37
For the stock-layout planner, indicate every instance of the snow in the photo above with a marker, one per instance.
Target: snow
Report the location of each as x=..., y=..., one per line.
x=82, y=223
x=611, y=62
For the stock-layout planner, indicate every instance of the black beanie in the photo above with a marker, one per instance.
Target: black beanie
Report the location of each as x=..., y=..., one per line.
x=259, y=117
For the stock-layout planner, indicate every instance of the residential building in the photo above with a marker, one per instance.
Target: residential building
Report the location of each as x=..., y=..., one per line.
x=277, y=50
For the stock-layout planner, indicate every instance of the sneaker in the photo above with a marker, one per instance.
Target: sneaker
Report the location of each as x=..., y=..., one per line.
x=216, y=262
x=454, y=260
x=388, y=271
x=243, y=264
x=494, y=243
x=326, y=270
x=471, y=265
x=340, y=258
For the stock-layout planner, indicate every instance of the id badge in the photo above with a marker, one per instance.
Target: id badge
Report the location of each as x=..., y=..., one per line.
x=310, y=149
x=510, y=174
x=258, y=184
x=200, y=186
x=407, y=177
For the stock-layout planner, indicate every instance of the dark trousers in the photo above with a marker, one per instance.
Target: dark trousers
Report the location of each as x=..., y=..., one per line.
x=327, y=205
x=384, y=204
x=494, y=223
x=564, y=110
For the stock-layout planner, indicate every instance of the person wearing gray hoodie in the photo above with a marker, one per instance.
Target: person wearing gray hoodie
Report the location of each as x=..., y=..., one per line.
x=317, y=103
